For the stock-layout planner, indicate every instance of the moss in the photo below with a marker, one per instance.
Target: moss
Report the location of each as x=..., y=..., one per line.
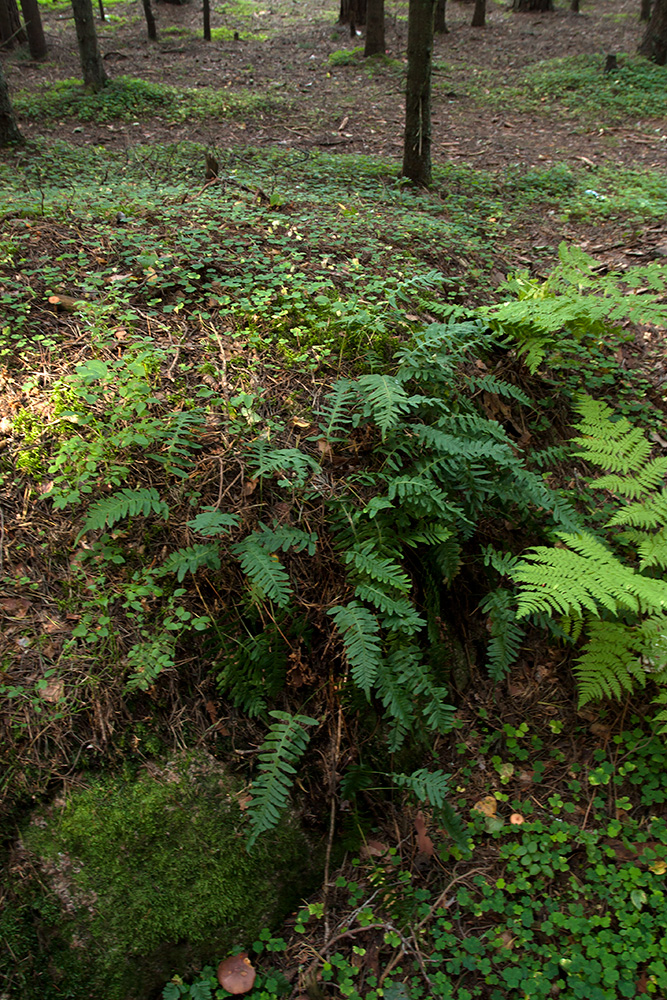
x=143, y=878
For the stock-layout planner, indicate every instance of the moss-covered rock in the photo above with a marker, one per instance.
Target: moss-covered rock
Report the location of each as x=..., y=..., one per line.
x=131, y=881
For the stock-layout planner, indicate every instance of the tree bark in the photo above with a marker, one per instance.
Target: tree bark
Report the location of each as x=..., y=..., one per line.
x=150, y=20
x=34, y=29
x=417, y=141
x=479, y=15
x=352, y=12
x=375, y=44
x=439, y=25
x=654, y=42
x=11, y=29
x=574, y=6
x=645, y=10
x=94, y=74
x=532, y=5
x=207, y=21
x=9, y=130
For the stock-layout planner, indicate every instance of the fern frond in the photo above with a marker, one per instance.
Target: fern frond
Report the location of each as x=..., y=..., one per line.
x=263, y=569
x=411, y=671
x=367, y=560
x=362, y=642
x=284, y=747
x=652, y=550
x=585, y=577
x=645, y=481
x=385, y=400
x=610, y=665
x=649, y=513
x=506, y=634
x=498, y=387
x=283, y=537
x=337, y=413
x=212, y=522
x=399, y=614
x=611, y=444
x=291, y=465
x=190, y=560
x=429, y=787
x=124, y=503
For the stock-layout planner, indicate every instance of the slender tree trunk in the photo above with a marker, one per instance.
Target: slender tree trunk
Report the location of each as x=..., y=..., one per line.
x=574, y=6
x=11, y=29
x=645, y=10
x=9, y=130
x=94, y=74
x=352, y=12
x=417, y=141
x=439, y=25
x=34, y=29
x=479, y=15
x=654, y=42
x=375, y=44
x=207, y=21
x=532, y=5
x=150, y=20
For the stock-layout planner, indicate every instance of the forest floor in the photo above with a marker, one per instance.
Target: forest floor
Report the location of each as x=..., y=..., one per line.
x=308, y=260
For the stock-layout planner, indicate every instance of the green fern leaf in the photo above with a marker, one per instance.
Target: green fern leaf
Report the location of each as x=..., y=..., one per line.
x=124, y=503
x=610, y=665
x=337, y=414
x=284, y=747
x=429, y=787
x=385, y=400
x=292, y=466
x=649, y=513
x=611, y=444
x=190, y=560
x=399, y=613
x=506, y=634
x=263, y=569
x=362, y=642
x=367, y=560
x=212, y=522
x=283, y=537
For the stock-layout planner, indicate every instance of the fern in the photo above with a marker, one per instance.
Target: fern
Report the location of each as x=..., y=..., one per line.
x=285, y=745
x=506, y=634
x=614, y=445
x=385, y=400
x=431, y=788
x=361, y=636
x=610, y=664
x=366, y=559
x=293, y=467
x=337, y=414
x=126, y=503
x=212, y=522
x=189, y=560
x=264, y=570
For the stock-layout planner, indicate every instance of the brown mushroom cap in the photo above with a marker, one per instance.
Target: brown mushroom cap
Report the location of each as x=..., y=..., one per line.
x=236, y=974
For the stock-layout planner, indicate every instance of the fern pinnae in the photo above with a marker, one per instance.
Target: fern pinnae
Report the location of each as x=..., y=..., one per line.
x=125, y=503
x=284, y=746
x=361, y=638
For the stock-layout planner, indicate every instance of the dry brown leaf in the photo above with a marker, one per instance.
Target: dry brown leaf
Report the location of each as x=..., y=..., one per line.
x=486, y=806
x=54, y=690
x=424, y=842
x=15, y=607
x=249, y=487
x=324, y=448
x=373, y=849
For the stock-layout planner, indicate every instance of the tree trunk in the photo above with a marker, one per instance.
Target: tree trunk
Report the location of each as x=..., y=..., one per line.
x=654, y=43
x=532, y=5
x=417, y=141
x=574, y=6
x=94, y=74
x=9, y=130
x=352, y=12
x=34, y=29
x=11, y=29
x=207, y=21
x=645, y=10
x=375, y=44
x=439, y=25
x=479, y=15
x=150, y=20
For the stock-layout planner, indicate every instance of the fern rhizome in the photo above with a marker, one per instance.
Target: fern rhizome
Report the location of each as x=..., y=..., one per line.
x=322, y=557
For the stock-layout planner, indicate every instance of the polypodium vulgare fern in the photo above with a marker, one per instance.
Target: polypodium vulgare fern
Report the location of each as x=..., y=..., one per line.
x=284, y=746
x=609, y=585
